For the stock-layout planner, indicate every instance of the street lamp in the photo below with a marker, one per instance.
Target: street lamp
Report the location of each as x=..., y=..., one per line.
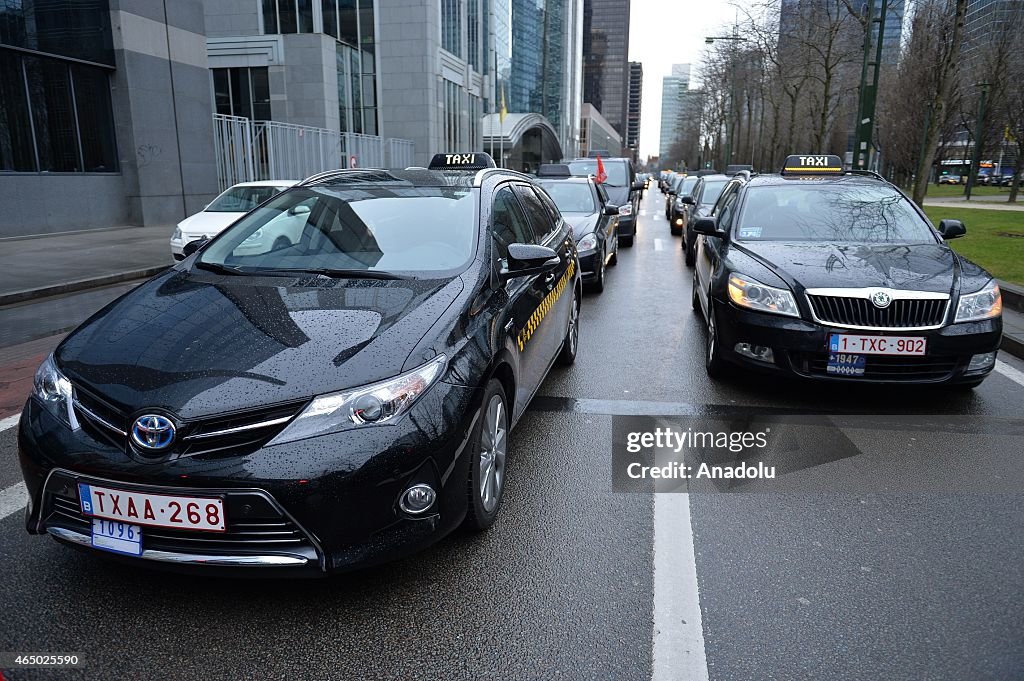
x=710, y=39
x=978, y=132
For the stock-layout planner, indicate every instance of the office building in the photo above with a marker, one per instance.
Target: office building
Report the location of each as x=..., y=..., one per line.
x=597, y=135
x=674, y=89
x=986, y=19
x=104, y=115
x=606, y=59
x=635, y=100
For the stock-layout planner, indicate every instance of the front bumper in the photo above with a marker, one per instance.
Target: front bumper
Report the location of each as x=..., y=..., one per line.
x=800, y=348
x=588, y=265
x=627, y=224
x=325, y=504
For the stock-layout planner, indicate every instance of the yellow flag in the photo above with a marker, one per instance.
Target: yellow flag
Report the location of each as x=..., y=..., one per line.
x=1007, y=136
x=503, y=111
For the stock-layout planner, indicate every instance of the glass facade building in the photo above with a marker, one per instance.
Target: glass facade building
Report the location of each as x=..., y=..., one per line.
x=636, y=89
x=606, y=59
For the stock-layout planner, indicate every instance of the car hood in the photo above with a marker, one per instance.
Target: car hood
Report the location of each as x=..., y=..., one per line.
x=202, y=343
x=206, y=223
x=914, y=267
x=581, y=224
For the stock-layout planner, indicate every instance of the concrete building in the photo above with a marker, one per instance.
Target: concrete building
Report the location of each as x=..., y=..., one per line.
x=673, y=92
x=597, y=135
x=104, y=115
x=606, y=59
x=636, y=88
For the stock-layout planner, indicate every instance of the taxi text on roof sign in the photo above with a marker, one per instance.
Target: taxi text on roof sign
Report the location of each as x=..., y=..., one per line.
x=473, y=161
x=820, y=164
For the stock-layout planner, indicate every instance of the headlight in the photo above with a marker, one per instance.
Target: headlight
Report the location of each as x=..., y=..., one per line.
x=587, y=243
x=177, y=234
x=986, y=303
x=626, y=209
x=375, y=403
x=750, y=293
x=54, y=390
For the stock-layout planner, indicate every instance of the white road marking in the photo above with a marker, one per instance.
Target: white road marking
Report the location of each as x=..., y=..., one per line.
x=678, y=629
x=659, y=245
x=13, y=499
x=1015, y=375
x=9, y=422
x=659, y=216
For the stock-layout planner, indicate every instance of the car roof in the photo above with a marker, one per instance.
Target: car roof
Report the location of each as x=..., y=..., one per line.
x=267, y=183
x=562, y=179
x=717, y=176
x=779, y=180
x=409, y=177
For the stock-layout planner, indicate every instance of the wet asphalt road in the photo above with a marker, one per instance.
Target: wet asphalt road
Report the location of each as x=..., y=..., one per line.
x=868, y=585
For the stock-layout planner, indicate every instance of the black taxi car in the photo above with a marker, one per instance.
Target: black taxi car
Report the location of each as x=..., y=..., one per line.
x=584, y=204
x=315, y=406
x=837, y=275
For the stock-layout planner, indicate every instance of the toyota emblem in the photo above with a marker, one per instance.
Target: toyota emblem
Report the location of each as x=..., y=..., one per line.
x=153, y=432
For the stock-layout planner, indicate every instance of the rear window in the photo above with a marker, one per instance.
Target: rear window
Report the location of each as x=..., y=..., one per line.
x=806, y=212
x=712, y=190
x=571, y=197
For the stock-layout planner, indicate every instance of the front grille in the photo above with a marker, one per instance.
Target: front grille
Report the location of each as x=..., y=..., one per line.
x=900, y=314
x=884, y=368
x=234, y=434
x=269, y=532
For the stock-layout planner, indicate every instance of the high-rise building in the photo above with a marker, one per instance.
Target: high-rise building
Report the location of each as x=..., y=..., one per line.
x=985, y=19
x=606, y=59
x=673, y=93
x=636, y=88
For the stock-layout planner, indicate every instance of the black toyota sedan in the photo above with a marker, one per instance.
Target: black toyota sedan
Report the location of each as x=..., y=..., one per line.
x=836, y=275
x=584, y=204
x=337, y=397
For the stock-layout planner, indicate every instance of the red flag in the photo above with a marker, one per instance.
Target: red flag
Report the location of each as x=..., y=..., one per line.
x=601, y=175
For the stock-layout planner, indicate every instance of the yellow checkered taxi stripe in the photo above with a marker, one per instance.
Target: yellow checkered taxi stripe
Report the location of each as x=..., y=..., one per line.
x=533, y=323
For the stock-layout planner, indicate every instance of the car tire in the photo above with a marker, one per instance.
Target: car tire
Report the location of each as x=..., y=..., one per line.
x=571, y=342
x=614, y=260
x=713, y=362
x=598, y=284
x=488, y=457
x=694, y=298
x=690, y=255
x=281, y=242
x=626, y=241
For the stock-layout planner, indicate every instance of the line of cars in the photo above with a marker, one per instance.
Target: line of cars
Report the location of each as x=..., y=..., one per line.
x=831, y=274
x=328, y=382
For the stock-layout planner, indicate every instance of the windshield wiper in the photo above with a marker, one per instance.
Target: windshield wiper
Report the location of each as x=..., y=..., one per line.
x=217, y=267
x=334, y=273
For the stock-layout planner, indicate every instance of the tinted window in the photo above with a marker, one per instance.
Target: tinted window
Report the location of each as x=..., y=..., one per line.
x=550, y=206
x=687, y=185
x=508, y=222
x=726, y=210
x=539, y=217
x=618, y=175
x=242, y=199
x=805, y=212
x=401, y=229
x=711, y=191
x=571, y=197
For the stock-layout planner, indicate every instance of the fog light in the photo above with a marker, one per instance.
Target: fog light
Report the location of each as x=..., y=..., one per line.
x=981, y=362
x=758, y=352
x=417, y=499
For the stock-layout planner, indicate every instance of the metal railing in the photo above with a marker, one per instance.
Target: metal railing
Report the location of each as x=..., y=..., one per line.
x=248, y=150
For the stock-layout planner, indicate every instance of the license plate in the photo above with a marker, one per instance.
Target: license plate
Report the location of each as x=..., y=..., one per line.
x=155, y=510
x=877, y=345
x=844, y=364
x=118, y=537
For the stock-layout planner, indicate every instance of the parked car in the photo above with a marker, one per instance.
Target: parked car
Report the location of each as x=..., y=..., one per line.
x=949, y=179
x=700, y=200
x=622, y=187
x=679, y=209
x=220, y=213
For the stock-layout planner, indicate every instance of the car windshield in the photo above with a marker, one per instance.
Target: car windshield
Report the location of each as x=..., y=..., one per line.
x=712, y=190
x=615, y=170
x=242, y=199
x=408, y=230
x=804, y=212
x=571, y=197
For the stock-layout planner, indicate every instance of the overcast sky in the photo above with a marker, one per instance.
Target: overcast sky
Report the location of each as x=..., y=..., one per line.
x=666, y=32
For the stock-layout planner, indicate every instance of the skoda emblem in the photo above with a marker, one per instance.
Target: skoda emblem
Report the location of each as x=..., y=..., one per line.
x=881, y=299
x=153, y=432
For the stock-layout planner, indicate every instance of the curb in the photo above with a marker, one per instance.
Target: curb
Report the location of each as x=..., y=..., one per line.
x=1013, y=345
x=79, y=285
x=1013, y=295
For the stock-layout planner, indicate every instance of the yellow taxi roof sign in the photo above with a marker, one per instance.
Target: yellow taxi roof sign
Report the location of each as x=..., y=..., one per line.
x=472, y=161
x=813, y=164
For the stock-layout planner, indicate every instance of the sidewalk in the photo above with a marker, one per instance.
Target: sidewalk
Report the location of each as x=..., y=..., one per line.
x=34, y=267
x=982, y=202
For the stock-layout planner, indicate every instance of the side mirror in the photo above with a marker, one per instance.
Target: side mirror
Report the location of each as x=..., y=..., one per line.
x=193, y=246
x=299, y=210
x=528, y=259
x=671, y=193
x=708, y=227
x=688, y=200
x=950, y=229
x=610, y=210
